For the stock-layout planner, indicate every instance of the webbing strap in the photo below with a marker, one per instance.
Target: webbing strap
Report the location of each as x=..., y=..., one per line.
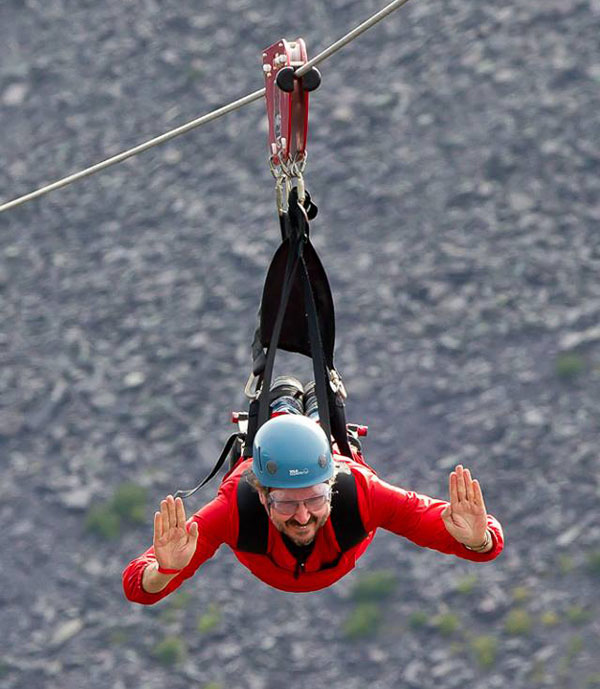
x=316, y=345
x=219, y=463
x=290, y=273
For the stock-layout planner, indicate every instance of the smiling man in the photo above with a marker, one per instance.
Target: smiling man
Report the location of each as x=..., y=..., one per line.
x=299, y=517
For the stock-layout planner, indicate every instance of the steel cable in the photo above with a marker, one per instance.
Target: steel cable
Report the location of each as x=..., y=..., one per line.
x=183, y=129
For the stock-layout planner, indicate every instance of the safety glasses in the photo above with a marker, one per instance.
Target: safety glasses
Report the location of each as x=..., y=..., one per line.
x=290, y=507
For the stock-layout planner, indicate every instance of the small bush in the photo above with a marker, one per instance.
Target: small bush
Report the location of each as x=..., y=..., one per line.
x=466, y=584
x=578, y=615
x=447, y=623
x=180, y=600
x=129, y=502
x=103, y=522
x=118, y=637
x=594, y=563
x=550, y=619
x=593, y=681
x=485, y=649
x=418, y=619
x=568, y=366
x=374, y=586
x=520, y=594
x=209, y=620
x=213, y=685
x=363, y=621
x=566, y=564
x=170, y=651
x=574, y=648
x=518, y=622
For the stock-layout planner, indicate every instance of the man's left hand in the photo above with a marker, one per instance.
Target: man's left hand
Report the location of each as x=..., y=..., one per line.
x=465, y=517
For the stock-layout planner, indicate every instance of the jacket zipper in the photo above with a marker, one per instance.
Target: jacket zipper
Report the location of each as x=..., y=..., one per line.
x=299, y=568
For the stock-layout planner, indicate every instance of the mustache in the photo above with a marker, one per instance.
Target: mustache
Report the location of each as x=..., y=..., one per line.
x=295, y=522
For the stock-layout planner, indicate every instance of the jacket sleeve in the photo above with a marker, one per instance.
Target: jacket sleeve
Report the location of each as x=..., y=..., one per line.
x=214, y=528
x=418, y=518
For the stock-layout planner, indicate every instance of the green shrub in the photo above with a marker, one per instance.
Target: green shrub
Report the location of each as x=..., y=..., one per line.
x=578, y=615
x=518, y=622
x=574, y=648
x=118, y=637
x=447, y=623
x=209, y=620
x=129, y=502
x=363, y=621
x=466, y=584
x=418, y=619
x=213, y=685
x=170, y=651
x=374, y=586
x=593, y=681
x=566, y=564
x=103, y=522
x=520, y=594
x=180, y=600
x=485, y=649
x=569, y=365
x=594, y=563
x=550, y=619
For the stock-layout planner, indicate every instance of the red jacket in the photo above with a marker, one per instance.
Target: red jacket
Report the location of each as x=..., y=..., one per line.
x=407, y=514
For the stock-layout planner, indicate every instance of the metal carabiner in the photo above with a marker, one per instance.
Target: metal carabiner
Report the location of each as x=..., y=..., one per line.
x=255, y=381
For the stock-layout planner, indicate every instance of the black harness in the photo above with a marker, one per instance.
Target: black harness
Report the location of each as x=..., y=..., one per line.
x=297, y=315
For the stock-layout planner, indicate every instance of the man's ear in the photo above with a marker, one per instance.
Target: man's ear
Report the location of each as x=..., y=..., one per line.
x=263, y=498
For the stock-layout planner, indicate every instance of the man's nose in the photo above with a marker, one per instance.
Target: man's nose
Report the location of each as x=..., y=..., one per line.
x=302, y=515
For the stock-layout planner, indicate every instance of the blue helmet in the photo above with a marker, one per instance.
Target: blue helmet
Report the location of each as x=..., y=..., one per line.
x=291, y=451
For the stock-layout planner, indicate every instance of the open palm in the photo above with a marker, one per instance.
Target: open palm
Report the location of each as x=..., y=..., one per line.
x=465, y=517
x=174, y=545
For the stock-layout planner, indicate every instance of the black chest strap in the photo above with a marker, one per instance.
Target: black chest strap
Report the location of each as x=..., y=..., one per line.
x=345, y=517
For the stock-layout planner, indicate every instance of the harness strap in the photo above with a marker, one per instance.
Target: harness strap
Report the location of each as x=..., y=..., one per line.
x=253, y=530
x=226, y=450
x=345, y=515
x=316, y=345
x=290, y=274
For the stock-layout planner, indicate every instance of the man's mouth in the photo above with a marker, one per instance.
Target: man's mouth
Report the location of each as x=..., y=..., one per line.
x=301, y=527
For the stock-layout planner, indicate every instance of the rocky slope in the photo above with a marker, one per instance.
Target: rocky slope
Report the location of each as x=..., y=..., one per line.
x=454, y=156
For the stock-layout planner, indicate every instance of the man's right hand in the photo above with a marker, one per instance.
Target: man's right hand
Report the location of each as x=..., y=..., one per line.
x=174, y=545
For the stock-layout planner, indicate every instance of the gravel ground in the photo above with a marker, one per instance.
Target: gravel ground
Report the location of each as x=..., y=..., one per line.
x=454, y=155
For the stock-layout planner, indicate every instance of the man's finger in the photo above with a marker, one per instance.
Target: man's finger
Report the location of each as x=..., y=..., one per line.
x=468, y=486
x=157, y=526
x=164, y=511
x=172, y=512
x=452, y=489
x=194, y=530
x=180, y=513
x=460, y=483
x=478, y=494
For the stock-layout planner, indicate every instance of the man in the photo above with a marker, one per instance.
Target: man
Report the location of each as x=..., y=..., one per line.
x=299, y=517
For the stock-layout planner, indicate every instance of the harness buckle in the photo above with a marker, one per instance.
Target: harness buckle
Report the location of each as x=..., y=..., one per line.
x=337, y=385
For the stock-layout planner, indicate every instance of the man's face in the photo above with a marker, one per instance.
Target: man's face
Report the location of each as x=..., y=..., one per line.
x=299, y=512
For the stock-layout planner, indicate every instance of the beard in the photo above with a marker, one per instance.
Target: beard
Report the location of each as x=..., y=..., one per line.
x=298, y=537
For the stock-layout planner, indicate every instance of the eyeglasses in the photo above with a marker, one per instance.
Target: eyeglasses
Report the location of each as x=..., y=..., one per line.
x=290, y=507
